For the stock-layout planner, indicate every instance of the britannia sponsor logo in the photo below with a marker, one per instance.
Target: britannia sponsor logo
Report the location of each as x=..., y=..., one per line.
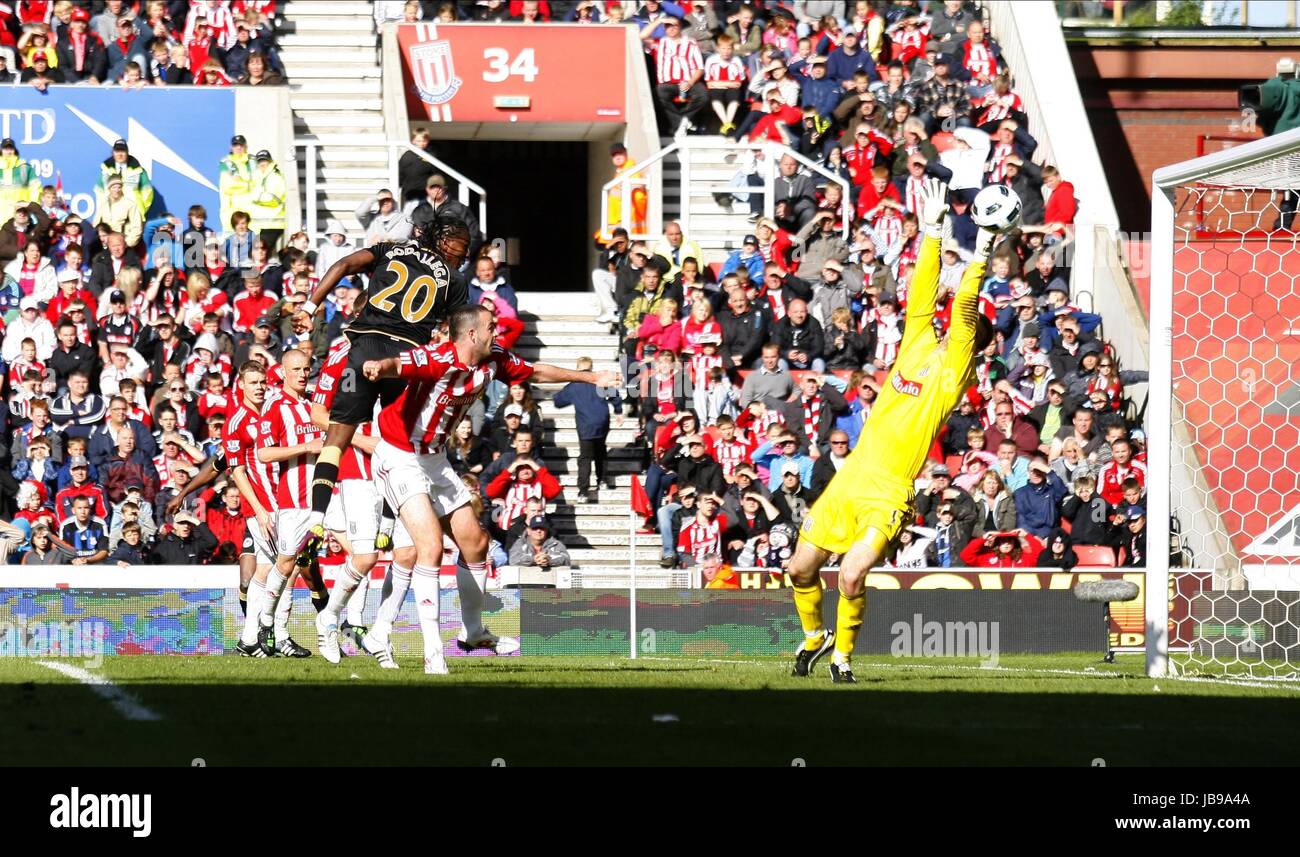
x=904, y=386
x=434, y=73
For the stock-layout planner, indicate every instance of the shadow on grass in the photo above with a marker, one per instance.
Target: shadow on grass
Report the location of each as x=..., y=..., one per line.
x=473, y=724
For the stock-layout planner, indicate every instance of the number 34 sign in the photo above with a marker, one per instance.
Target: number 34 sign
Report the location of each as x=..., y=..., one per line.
x=471, y=72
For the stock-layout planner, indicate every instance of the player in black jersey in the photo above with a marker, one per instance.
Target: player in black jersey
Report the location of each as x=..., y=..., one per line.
x=413, y=286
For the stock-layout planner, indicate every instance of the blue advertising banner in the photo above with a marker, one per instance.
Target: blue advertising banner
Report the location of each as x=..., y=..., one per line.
x=179, y=135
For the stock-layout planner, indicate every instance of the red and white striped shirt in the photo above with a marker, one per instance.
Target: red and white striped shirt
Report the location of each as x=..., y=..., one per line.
x=998, y=161
x=286, y=421
x=355, y=464
x=718, y=69
x=701, y=538
x=700, y=366
x=999, y=107
x=220, y=21
x=1110, y=479
x=731, y=454
x=912, y=194
x=442, y=390
x=677, y=59
x=241, y=444
x=210, y=403
x=979, y=60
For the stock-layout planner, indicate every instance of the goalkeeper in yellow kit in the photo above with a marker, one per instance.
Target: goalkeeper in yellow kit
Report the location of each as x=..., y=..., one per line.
x=870, y=499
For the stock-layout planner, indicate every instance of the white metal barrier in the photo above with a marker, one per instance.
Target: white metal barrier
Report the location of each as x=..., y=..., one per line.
x=395, y=150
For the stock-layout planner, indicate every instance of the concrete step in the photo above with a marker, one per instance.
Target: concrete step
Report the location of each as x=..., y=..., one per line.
x=333, y=101
x=366, y=86
x=319, y=119
x=599, y=540
x=368, y=174
x=567, y=340
x=565, y=354
x=623, y=480
x=326, y=40
x=612, y=556
x=616, y=577
x=545, y=327
x=356, y=51
x=333, y=9
x=568, y=437
x=334, y=72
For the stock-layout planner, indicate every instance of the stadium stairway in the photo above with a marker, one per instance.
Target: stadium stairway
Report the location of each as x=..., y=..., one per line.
x=331, y=53
x=716, y=228
x=559, y=328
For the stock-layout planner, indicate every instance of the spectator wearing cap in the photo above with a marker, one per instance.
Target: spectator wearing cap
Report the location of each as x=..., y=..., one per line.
x=1032, y=376
x=80, y=484
x=941, y=491
x=439, y=203
x=943, y=101
x=1038, y=501
x=236, y=180
x=190, y=542
x=746, y=257
x=790, y=497
x=849, y=58
x=1130, y=538
x=82, y=55
x=538, y=547
x=382, y=218
x=267, y=200
x=135, y=180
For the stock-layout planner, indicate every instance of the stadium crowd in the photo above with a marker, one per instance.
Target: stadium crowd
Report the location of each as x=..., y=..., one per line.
x=757, y=373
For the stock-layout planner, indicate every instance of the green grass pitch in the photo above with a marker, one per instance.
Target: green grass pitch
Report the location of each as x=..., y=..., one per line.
x=1035, y=710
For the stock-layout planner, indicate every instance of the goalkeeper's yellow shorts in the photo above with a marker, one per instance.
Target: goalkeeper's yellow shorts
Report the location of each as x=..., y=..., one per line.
x=854, y=503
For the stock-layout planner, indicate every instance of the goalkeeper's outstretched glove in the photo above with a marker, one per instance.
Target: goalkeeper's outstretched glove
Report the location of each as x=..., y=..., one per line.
x=984, y=242
x=934, y=204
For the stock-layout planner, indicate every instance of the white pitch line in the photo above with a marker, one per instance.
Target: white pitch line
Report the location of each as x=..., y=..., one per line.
x=126, y=704
x=1264, y=683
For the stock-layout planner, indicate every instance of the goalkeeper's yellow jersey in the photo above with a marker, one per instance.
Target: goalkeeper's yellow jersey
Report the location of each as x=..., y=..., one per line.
x=926, y=382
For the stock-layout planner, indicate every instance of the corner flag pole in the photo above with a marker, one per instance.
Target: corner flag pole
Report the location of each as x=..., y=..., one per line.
x=631, y=546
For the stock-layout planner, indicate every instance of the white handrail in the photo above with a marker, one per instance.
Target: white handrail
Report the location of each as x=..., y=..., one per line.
x=311, y=146
x=623, y=181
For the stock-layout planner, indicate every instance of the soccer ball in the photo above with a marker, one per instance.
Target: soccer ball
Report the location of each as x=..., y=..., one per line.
x=996, y=208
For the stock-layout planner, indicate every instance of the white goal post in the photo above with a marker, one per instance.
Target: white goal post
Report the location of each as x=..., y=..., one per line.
x=1225, y=366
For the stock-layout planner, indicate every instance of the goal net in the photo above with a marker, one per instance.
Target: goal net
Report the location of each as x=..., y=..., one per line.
x=1225, y=415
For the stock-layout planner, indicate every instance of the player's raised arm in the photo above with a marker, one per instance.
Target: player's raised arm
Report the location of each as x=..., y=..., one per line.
x=923, y=293
x=965, y=305
x=353, y=263
x=548, y=374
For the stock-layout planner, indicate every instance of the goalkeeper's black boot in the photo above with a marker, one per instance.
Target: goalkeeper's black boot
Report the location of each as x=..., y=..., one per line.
x=266, y=641
x=842, y=673
x=249, y=650
x=287, y=648
x=805, y=659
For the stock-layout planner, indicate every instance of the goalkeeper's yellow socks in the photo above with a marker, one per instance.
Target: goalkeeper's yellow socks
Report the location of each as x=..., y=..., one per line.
x=848, y=622
x=808, y=601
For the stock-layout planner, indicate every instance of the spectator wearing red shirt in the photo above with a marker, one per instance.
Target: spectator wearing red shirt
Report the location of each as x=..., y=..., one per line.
x=1061, y=204
x=227, y=520
x=522, y=479
x=251, y=303
x=679, y=68
x=82, y=55
x=878, y=195
x=779, y=122
x=70, y=292
x=81, y=486
x=1012, y=549
x=662, y=329
x=1110, y=479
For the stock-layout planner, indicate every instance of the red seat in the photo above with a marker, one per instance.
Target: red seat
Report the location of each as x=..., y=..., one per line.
x=954, y=464
x=1096, y=556
x=799, y=374
x=715, y=268
x=845, y=374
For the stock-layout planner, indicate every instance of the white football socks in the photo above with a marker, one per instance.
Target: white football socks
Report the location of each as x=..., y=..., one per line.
x=357, y=603
x=427, y=607
x=345, y=585
x=283, y=606
x=471, y=578
x=396, y=584
x=253, y=615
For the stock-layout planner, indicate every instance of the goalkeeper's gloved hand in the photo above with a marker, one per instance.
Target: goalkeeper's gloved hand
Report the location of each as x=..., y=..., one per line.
x=934, y=202
x=984, y=242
